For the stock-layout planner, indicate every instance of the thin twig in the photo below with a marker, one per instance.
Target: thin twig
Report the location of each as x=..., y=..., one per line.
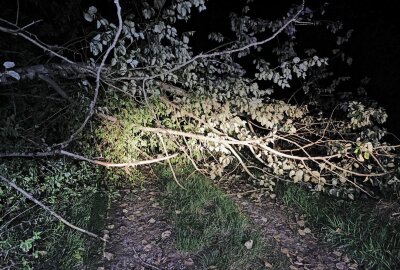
x=55, y=86
x=38, y=44
x=169, y=162
x=232, y=51
x=98, y=74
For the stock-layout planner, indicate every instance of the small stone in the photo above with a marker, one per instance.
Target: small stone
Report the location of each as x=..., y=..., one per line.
x=125, y=211
x=307, y=230
x=131, y=217
x=111, y=226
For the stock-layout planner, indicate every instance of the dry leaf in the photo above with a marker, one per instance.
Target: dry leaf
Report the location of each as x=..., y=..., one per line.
x=188, y=262
x=165, y=234
x=341, y=265
x=301, y=232
x=147, y=247
x=338, y=253
x=285, y=250
x=301, y=223
x=268, y=265
x=249, y=244
x=264, y=219
x=108, y=255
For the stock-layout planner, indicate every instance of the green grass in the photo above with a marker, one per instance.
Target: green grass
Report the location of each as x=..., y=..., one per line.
x=363, y=228
x=69, y=249
x=209, y=225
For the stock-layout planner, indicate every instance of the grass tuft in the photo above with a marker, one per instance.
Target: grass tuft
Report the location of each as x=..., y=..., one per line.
x=209, y=224
x=362, y=227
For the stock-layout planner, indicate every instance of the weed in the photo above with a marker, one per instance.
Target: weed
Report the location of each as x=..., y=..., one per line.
x=209, y=224
x=359, y=226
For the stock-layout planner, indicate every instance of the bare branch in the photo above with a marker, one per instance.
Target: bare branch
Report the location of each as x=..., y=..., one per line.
x=169, y=162
x=56, y=87
x=98, y=74
x=197, y=136
x=79, y=157
x=19, y=32
x=65, y=70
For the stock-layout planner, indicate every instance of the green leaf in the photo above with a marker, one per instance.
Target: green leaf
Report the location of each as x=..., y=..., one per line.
x=26, y=245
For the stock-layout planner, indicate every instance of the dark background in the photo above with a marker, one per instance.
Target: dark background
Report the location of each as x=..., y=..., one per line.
x=374, y=46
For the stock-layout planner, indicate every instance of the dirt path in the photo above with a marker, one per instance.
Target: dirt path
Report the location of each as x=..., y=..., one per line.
x=141, y=237
x=297, y=242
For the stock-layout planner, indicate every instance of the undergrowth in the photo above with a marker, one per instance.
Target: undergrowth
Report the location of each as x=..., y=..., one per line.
x=209, y=224
x=29, y=236
x=364, y=228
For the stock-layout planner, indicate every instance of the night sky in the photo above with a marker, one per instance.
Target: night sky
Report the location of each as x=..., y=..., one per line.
x=374, y=46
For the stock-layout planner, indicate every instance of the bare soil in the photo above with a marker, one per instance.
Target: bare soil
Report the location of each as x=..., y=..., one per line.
x=141, y=236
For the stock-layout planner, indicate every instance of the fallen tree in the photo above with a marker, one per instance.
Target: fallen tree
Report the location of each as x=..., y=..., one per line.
x=154, y=96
